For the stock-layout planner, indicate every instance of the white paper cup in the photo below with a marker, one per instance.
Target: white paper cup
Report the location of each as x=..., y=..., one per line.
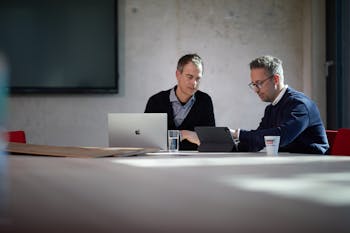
x=272, y=144
x=173, y=140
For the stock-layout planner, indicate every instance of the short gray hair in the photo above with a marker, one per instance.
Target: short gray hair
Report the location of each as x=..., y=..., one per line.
x=194, y=58
x=272, y=65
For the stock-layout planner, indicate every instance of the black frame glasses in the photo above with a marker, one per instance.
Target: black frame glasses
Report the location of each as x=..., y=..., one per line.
x=259, y=84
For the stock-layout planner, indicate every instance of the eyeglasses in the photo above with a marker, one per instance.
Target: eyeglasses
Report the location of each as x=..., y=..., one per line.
x=258, y=85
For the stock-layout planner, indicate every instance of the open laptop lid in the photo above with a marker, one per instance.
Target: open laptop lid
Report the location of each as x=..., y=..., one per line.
x=215, y=139
x=138, y=130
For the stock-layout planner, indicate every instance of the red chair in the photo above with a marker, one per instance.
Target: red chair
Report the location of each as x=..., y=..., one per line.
x=331, y=137
x=341, y=145
x=16, y=136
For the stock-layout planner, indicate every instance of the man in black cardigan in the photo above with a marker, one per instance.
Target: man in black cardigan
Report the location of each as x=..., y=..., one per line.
x=186, y=106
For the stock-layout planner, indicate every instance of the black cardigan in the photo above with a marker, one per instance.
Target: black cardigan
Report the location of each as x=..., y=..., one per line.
x=201, y=113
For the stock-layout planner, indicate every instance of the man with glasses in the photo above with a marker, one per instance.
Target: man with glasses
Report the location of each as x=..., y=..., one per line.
x=291, y=115
x=186, y=106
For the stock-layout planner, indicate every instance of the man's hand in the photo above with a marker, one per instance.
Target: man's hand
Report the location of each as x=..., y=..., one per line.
x=234, y=134
x=191, y=136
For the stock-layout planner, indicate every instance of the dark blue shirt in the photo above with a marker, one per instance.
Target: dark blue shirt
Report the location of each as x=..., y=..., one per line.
x=296, y=119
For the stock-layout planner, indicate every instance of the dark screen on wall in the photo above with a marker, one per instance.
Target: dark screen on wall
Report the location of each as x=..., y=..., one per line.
x=62, y=46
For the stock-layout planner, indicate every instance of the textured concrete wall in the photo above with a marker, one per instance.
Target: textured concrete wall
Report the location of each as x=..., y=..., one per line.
x=153, y=35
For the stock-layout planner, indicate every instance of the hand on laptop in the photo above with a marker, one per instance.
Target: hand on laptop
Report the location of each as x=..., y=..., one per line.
x=191, y=136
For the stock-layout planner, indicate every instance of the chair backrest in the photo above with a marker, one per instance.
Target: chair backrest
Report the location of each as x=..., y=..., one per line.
x=16, y=136
x=341, y=145
x=331, y=137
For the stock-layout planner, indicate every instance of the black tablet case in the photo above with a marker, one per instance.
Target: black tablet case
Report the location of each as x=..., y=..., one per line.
x=215, y=139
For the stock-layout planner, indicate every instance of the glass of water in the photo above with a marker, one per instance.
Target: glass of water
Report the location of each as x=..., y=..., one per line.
x=173, y=140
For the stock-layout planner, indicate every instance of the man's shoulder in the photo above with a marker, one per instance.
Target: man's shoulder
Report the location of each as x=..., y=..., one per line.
x=158, y=102
x=203, y=95
x=161, y=94
x=295, y=95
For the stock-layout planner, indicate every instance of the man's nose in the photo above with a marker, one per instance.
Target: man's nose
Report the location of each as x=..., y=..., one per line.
x=194, y=82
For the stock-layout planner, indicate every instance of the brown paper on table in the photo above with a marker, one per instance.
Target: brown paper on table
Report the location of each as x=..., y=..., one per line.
x=72, y=151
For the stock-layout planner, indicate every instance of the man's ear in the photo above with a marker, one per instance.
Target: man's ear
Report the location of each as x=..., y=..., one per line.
x=276, y=78
x=178, y=75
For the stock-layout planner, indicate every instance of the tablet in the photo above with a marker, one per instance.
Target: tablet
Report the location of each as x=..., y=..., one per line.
x=215, y=139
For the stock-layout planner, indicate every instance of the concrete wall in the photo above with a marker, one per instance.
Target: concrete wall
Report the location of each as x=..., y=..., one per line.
x=153, y=34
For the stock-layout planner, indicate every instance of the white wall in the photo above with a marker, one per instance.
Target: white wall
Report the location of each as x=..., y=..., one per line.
x=153, y=34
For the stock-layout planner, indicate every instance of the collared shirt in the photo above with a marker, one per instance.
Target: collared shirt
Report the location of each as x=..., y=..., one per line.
x=279, y=97
x=180, y=111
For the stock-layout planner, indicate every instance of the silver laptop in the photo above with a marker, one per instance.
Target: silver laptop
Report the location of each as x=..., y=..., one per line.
x=138, y=130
